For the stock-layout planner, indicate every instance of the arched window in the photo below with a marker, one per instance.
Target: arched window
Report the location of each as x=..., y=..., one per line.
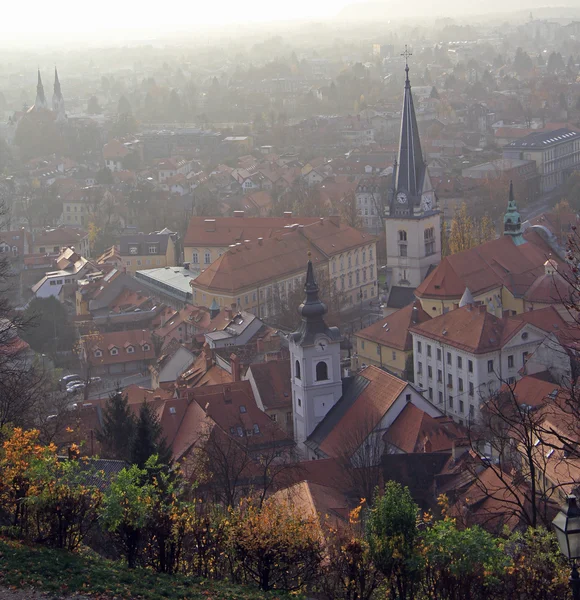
x=297, y=370
x=402, y=235
x=321, y=371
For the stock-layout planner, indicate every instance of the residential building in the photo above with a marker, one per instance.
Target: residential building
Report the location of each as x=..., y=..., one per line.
x=207, y=239
x=116, y=352
x=171, y=284
x=175, y=359
x=369, y=204
x=556, y=154
x=387, y=343
x=272, y=387
x=238, y=331
x=51, y=241
x=142, y=251
x=16, y=243
x=413, y=219
x=71, y=268
x=462, y=357
x=258, y=276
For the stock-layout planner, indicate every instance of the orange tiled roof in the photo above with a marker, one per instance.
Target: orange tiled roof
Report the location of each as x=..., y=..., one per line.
x=273, y=381
x=105, y=341
x=393, y=331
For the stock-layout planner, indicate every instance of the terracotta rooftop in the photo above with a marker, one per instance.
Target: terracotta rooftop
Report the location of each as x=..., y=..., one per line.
x=106, y=343
x=393, y=331
x=273, y=382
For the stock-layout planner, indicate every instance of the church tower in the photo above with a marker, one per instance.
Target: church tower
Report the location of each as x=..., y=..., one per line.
x=315, y=363
x=40, y=102
x=412, y=219
x=512, y=222
x=57, y=99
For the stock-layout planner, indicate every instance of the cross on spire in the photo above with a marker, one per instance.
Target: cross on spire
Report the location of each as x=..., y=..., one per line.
x=406, y=54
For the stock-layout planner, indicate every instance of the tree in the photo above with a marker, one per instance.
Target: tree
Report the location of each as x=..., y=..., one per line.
x=462, y=236
x=93, y=107
x=148, y=439
x=349, y=212
x=434, y=93
x=522, y=63
x=49, y=329
x=277, y=546
x=123, y=108
x=391, y=532
x=118, y=428
x=104, y=176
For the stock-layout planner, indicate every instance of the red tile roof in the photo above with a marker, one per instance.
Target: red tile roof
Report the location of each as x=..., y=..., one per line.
x=273, y=382
x=393, y=331
x=138, y=339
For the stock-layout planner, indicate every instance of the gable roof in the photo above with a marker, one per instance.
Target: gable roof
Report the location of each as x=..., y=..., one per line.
x=364, y=402
x=142, y=240
x=393, y=331
x=273, y=383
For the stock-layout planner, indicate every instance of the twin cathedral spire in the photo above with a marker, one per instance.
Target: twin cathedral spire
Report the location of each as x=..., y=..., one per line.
x=57, y=98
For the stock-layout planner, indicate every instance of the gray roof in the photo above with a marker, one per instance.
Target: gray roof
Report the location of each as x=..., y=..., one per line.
x=174, y=281
x=544, y=139
x=143, y=240
x=400, y=296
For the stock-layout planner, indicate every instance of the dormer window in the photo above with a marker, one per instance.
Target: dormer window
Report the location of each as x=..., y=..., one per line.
x=153, y=249
x=242, y=409
x=146, y=347
x=98, y=353
x=133, y=249
x=130, y=349
x=114, y=351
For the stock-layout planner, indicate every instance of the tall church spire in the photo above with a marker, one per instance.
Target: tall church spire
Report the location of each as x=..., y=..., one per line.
x=57, y=99
x=512, y=222
x=40, y=101
x=411, y=166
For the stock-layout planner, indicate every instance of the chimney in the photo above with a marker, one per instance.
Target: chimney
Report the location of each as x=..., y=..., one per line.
x=235, y=364
x=209, y=224
x=260, y=240
x=208, y=355
x=455, y=305
x=227, y=394
x=260, y=346
x=287, y=214
x=415, y=314
x=239, y=214
x=335, y=220
x=228, y=312
x=459, y=448
x=322, y=220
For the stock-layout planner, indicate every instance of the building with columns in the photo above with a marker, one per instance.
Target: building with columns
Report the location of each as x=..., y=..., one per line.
x=412, y=216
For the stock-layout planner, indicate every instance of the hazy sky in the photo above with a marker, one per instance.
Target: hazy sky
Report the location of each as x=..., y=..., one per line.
x=67, y=16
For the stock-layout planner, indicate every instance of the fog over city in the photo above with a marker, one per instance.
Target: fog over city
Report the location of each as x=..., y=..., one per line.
x=289, y=300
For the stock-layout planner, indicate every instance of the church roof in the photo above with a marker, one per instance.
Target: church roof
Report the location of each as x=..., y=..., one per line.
x=410, y=164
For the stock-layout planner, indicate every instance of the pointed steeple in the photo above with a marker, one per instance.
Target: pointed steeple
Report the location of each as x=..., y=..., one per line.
x=57, y=99
x=312, y=311
x=411, y=166
x=40, y=101
x=512, y=222
x=57, y=90
x=466, y=299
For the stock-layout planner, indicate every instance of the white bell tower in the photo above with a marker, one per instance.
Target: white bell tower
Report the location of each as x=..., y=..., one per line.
x=315, y=364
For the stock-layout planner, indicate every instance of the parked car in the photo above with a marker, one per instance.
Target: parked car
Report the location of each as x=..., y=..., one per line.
x=75, y=386
x=66, y=380
x=95, y=381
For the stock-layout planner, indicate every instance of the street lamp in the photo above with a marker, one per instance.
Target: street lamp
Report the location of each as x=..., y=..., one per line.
x=567, y=527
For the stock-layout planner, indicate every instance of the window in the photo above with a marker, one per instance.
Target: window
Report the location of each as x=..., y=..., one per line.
x=403, y=250
x=362, y=345
x=419, y=348
x=146, y=347
x=428, y=349
x=449, y=358
x=524, y=358
x=511, y=361
x=299, y=402
x=154, y=249
x=461, y=407
x=450, y=401
x=297, y=370
x=402, y=235
x=195, y=258
x=439, y=375
x=378, y=349
x=256, y=429
x=321, y=371
x=207, y=258
x=450, y=380
x=490, y=366
x=430, y=393
x=133, y=249
x=470, y=366
x=114, y=351
x=430, y=372
x=243, y=409
x=130, y=350
x=460, y=384
x=138, y=262
x=42, y=250
x=98, y=353
x=419, y=367
x=459, y=362
x=394, y=355
x=438, y=353
x=240, y=431
x=370, y=254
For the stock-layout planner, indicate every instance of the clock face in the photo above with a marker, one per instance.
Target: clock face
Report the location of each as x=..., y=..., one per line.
x=401, y=197
x=427, y=202
x=321, y=345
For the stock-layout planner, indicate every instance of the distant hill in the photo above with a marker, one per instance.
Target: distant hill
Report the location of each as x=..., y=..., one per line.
x=391, y=9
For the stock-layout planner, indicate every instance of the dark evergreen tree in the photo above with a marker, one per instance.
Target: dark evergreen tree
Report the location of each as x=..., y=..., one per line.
x=148, y=438
x=124, y=108
x=118, y=428
x=93, y=107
